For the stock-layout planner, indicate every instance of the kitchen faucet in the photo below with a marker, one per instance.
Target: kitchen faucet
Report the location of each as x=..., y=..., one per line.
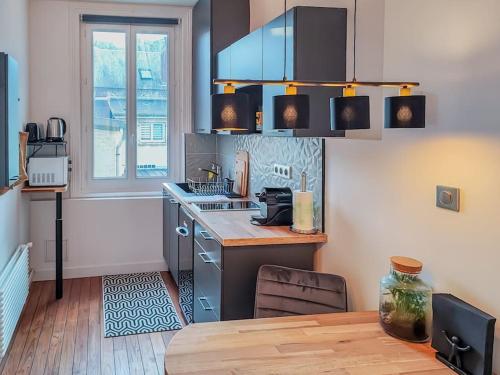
x=216, y=169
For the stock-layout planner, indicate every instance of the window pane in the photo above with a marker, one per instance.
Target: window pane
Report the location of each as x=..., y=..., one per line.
x=152, y=95
x=110, y=104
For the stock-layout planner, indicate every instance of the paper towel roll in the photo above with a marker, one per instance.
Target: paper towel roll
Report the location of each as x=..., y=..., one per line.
x=303, y=211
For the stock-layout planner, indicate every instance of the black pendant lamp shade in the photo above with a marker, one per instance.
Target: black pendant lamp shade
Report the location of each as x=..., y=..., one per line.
x=350, y=113
x=405, y=112
x=231, y=112
x=291, y=112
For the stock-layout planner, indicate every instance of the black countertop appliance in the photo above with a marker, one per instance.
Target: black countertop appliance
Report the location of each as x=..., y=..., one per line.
x=276, y=207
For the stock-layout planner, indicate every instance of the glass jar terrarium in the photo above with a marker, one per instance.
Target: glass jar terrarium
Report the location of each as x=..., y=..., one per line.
x=405, y=301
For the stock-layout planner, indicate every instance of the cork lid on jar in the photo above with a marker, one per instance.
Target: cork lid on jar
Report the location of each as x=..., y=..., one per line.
x=406, y=265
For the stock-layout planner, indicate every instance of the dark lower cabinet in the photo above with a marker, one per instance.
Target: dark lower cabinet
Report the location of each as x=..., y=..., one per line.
x=185, y=233
x=225, y=277
x=207, y=290
x=166, y=225
x=173, y=239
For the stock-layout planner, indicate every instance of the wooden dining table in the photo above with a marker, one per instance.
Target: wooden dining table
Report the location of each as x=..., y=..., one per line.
x=346, y=343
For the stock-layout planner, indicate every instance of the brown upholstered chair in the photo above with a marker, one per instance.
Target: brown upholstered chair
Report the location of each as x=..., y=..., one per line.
x=283, y=291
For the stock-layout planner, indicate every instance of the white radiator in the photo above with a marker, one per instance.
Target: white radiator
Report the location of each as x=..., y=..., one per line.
x=14, y=287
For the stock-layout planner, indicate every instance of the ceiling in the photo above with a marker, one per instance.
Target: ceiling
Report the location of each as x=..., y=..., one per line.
x=163, y=2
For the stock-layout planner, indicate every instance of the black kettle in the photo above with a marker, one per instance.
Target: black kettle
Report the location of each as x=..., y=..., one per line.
x=56, y=129
x=33, y=131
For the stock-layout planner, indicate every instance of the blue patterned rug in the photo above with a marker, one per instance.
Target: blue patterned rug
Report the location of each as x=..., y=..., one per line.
x=137, y=303
x=186, y=294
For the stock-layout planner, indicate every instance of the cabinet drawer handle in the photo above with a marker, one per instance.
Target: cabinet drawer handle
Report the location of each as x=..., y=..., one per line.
x=205, y=258
x=204, y=304
x=206, y=236
x=182, y=231
x=173, y=201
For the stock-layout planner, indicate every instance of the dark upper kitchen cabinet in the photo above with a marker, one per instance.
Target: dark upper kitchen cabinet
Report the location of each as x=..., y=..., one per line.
x=223, y=67
x=273, y=54
x=243, y=59
x=316, y=50
x=216, y=25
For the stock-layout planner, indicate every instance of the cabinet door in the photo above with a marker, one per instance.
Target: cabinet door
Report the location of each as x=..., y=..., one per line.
x=209, y=244
x=273, y=48
x=202, y=67
x=246, y=57
x=185, y=233
x=273, y=55
x=223, y=67
x=207, y=287
x=166, y=226
x=173, y=263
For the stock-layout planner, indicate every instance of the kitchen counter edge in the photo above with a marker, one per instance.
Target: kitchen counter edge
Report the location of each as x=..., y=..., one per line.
x=261, y=235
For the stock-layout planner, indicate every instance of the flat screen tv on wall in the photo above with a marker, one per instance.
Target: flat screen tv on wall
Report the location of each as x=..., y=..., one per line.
x=9, y=121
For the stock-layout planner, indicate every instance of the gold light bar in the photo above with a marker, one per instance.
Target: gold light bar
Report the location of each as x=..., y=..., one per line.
x=315, y=83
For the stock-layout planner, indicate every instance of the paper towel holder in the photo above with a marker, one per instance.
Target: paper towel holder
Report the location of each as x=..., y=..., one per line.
x=300, y=231
x=303, y=188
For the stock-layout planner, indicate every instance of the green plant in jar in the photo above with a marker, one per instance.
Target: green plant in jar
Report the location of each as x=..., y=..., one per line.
x=405, y=301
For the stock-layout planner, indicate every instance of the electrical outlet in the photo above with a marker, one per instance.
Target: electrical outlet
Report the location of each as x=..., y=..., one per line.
x=284, y=171
x=448, y=198
x=50, y=251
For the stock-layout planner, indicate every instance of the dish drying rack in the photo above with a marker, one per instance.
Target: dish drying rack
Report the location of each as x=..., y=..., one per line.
x=207, y=188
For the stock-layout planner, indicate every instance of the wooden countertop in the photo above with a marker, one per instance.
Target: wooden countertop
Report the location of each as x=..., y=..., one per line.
x=44, y=189
x=234, y=228
x=349, y=343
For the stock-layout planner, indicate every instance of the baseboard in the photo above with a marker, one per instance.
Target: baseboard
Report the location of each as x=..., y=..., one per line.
x=100, y=270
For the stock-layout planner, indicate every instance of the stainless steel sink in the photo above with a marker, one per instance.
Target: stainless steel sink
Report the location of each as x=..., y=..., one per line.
x=227, y=206
x=205, y=189
x=184, y=186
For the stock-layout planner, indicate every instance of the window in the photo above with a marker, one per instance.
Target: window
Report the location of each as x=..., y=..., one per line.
x=126, y=103
x=145, y=73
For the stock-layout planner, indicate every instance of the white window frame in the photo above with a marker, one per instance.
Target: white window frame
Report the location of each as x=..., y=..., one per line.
x=130, y=185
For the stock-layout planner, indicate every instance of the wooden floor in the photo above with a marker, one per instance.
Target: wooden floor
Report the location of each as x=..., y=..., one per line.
x=66, y=336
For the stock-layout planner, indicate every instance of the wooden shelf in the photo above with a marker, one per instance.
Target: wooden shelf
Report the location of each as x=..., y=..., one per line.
x=44, y=189
x=44, y=143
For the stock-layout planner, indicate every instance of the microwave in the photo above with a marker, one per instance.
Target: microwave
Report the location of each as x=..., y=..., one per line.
x=48, y=171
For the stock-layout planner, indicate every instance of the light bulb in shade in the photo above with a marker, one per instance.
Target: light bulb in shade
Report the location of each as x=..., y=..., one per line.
x=350, y=113
x=404, y=114
x=290, y=116
x=291, y=111
x=229, y=116
x=405, y=111
x=231, y=111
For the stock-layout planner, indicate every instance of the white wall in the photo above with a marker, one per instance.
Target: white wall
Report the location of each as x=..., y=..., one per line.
x=14, y=41
x=104, y=236
x=381, y=193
